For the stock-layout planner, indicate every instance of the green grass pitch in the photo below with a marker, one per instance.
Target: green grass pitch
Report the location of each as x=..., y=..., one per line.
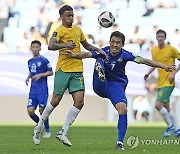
x=86, y=139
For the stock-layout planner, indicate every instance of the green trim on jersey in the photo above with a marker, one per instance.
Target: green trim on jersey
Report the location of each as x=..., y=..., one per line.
x=164, y=94
x=137, y=59
x=72, y=81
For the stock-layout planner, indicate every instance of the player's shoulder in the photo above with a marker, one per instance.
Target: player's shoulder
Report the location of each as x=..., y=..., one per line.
x=125, y=51
x=30, y=60
x=76, y=27
x=154, y=48
x=106, y=49
x=171, y=47
x=42, y=58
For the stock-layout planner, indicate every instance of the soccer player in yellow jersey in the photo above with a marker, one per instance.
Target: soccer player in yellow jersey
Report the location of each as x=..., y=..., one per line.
x=68, y=72
x=165, y=54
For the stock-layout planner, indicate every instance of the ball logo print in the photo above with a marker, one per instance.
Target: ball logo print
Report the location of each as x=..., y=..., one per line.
x=106, y=19
x=133, y=142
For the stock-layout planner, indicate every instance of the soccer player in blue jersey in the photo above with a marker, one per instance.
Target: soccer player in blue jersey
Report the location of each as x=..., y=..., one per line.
x=39, y=70
x=110, y=80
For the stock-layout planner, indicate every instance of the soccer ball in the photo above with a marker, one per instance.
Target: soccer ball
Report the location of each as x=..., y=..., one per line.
x=106, y=19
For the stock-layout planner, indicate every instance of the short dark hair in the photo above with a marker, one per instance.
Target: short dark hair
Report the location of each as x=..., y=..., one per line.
x=161, y=31
x=118, y=34
x=36, y=42
x=65, y=8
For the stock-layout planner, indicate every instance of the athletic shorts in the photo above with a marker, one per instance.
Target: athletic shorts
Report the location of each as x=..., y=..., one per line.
x=164, y=94
x=113, y=90
x=37, y=99
x=71, y=81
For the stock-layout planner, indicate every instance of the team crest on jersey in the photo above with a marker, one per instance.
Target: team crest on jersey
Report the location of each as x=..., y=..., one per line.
x=120, y=60
x=54, y=34
x=38, y=64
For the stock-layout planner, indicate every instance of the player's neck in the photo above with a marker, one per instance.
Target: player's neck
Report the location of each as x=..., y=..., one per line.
x=35, y=57
x=161, y=46
x=67, y=26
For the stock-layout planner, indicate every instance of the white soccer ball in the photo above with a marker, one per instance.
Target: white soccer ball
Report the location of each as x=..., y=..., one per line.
x=106, y=19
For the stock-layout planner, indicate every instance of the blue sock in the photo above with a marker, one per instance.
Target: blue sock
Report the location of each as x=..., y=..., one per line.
x=46, y=125
x=35, y=118
x=122, y=126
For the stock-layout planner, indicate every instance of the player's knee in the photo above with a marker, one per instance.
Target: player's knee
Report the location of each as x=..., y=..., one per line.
x=41, y=110
x=158, y=106
x=121, y=108
x=56, y=99
x=30, y=111
x=79, y=104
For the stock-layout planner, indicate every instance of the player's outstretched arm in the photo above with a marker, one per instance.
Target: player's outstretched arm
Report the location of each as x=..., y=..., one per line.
x=157, y=64
x=79, y=55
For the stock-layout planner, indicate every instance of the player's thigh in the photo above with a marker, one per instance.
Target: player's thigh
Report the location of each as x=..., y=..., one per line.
x=61, y=82
x=78, y=98
x=117, y=93
x=32, y=101
x=76, y=83
x=164, y=94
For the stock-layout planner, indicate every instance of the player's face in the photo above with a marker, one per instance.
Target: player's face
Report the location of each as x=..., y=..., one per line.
x=160, y=38
x=67, y=18
x=35, y=48
x=115, y=45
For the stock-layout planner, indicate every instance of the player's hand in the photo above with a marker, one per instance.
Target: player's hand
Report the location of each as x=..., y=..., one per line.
x=27, y=82
x=146, y=76
x=36, y=77
x=170, y=68
x=171, y=78
x=69, y=53
x=70, y=45
x=103, y=53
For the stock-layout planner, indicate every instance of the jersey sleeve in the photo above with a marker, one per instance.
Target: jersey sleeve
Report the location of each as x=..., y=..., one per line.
x=95, y=54
x=131, y=56
x=176, y=54
x=82, y=37
x=56, y=34
x=48, y=65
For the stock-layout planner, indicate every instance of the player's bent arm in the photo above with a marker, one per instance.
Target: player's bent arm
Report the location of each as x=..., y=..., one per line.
x=78, y=55
x=150, y=71
x=27, y=79
x=48, y=73
x=88, y=46
x=54, y=45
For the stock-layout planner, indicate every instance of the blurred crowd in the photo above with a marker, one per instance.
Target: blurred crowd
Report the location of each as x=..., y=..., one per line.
x=22, y=21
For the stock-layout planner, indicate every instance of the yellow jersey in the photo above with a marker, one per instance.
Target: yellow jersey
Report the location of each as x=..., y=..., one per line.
x=166, y=56
x=64, y=35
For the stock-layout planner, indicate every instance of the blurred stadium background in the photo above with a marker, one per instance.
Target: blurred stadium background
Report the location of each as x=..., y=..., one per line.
x=22, y=21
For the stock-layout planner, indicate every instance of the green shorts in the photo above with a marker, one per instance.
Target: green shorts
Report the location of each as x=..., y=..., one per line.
x=164, y=94
x=72, y=81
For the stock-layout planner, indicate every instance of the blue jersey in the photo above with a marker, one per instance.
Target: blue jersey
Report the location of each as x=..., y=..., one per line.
x=37, y=66
x=115, y=66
